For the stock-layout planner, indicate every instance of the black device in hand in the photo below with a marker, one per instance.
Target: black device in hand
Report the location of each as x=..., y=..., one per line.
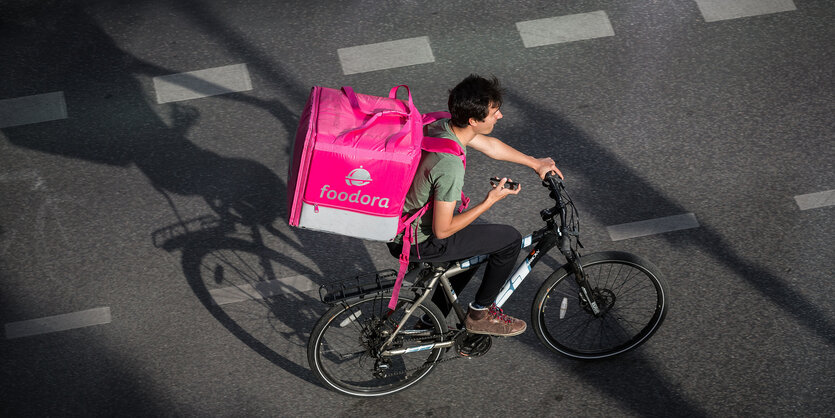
x=512, y=185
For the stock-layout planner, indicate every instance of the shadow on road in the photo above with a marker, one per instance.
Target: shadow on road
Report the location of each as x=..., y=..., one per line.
x=113, y=122
x=119, y=127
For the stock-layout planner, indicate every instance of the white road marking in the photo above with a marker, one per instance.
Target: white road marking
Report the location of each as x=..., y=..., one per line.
x=202, y=83
x=385, y=55
x=350, y=319
x=815, y=200
x=25, y=175
x=32, y=109
x=715, y=10
x=261, y=290
x=561, y=29
x=63, y=322
x=652, y=226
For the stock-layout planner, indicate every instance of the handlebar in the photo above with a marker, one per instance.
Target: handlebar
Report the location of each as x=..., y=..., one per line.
x=552, y=180
x=563, y=216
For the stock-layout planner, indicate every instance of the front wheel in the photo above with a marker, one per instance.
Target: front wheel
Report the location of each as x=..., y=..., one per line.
x=632, y=297
x=344, y=346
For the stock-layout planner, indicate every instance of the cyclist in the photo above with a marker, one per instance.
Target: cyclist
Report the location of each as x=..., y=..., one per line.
x=443, y=235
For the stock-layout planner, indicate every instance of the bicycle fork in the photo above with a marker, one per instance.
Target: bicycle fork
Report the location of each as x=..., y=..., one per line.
x=586, y=293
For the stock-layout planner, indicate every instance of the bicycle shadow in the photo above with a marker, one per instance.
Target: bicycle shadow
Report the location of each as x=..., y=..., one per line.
x=121, y=129
x=634, y=379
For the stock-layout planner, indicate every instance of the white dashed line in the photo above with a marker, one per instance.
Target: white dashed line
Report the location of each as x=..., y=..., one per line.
x=561, y=29
x=234, y=294
x=385, y=55
x=32, y=109
x=202, y=83
x=815, y=200
x=715, y=10
x=652, y=226
x=81, y=319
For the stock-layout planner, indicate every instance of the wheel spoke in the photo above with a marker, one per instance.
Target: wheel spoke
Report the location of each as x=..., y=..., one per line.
x=345, y=347
x=629, y=293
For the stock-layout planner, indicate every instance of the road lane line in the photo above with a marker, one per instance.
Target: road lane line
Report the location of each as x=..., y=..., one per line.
x=561, y=29
x=652, y=226
x=815, y=200
x=63, y=322
x=261, y=290
x=37, y=108
x=716, y=10
x=202, y=83
x=385, y=55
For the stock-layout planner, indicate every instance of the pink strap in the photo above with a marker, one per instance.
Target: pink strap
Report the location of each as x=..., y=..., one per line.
x=408, y=238
x=433, y=116
x=353, y=100
x=393, y=95
x=430, y=144
x=444, y=145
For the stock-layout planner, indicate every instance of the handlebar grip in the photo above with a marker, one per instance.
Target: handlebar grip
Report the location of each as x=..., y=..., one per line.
x=551, y=178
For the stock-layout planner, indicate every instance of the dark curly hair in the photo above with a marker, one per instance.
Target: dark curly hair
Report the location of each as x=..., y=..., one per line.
x=472, y=98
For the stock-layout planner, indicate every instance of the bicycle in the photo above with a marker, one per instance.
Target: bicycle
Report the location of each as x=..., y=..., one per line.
x=592, y=307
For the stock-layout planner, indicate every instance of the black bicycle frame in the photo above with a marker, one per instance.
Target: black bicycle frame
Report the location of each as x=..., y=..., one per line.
x=552, y=235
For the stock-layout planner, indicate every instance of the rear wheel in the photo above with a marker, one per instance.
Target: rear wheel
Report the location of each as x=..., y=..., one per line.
x=343, y=349
x=632, y=297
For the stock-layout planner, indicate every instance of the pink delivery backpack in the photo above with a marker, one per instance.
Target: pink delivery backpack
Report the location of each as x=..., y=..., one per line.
x=354, y=159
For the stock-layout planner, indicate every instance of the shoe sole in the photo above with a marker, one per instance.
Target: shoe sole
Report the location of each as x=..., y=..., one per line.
x=498, y=335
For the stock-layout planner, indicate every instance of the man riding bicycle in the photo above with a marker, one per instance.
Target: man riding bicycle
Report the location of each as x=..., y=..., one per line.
x=443, y=235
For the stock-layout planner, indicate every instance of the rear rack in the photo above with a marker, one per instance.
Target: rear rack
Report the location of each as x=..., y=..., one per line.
x=357, y=286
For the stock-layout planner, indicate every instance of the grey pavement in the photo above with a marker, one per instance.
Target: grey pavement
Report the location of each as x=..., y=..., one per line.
x=147, y=268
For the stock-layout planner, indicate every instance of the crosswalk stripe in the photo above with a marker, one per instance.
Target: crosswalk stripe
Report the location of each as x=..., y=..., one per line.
x=652, y=226
x=63, y=322
x=385, y=55
x=815, y=200
x=32, y=109
x=715, y=10
x=560, y=29
x=202, y=83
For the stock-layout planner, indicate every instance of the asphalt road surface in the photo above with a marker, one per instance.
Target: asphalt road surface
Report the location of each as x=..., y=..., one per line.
x=146, y=266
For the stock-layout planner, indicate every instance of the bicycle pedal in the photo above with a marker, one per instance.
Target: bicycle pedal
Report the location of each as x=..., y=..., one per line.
x=472, y=345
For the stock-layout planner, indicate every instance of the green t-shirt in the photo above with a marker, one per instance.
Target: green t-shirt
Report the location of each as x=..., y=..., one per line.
x=439, y=176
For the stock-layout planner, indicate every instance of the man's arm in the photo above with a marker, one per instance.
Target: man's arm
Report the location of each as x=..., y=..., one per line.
x=445, y=222
x=498, y=150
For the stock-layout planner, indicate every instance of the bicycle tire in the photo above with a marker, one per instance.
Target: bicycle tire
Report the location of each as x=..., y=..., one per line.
x=341, y=345
x=635, y=302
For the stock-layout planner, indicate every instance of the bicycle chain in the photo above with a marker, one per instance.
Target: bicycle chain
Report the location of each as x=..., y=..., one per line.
x=439, y=361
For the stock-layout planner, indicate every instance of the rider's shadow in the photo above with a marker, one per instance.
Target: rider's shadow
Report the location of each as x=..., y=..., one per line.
x=231, y=247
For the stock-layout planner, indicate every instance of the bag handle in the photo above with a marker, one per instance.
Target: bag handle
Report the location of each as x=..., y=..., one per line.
x=410, y=115
x=393, y=95
x=353, y=100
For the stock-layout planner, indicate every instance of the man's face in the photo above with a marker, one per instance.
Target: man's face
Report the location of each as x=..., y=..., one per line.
x=486, y=126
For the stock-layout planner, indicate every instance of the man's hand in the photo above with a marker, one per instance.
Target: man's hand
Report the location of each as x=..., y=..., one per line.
x=547, y=165
x=445, y=222
x=499, y=192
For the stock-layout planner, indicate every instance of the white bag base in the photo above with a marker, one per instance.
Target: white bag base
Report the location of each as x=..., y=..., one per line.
x=339, y=221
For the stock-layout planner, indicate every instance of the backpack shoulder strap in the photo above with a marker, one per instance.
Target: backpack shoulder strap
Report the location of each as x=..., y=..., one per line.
x=444, y=145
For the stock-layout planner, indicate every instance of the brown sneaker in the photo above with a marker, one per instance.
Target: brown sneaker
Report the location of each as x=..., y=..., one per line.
x=492, y=321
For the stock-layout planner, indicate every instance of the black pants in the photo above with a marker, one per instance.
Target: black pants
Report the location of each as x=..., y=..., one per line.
x=502, y=243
